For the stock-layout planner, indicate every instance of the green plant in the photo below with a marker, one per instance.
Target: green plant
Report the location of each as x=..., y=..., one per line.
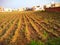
x=55, y=41
x=33, y=42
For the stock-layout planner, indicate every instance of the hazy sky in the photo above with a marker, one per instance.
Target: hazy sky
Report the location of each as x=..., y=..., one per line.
x=24, y=3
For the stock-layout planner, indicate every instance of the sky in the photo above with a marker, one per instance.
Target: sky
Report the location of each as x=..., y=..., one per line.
x=24, y=3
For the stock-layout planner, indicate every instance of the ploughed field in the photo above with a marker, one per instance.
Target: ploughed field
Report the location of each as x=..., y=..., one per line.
x=19, y=28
